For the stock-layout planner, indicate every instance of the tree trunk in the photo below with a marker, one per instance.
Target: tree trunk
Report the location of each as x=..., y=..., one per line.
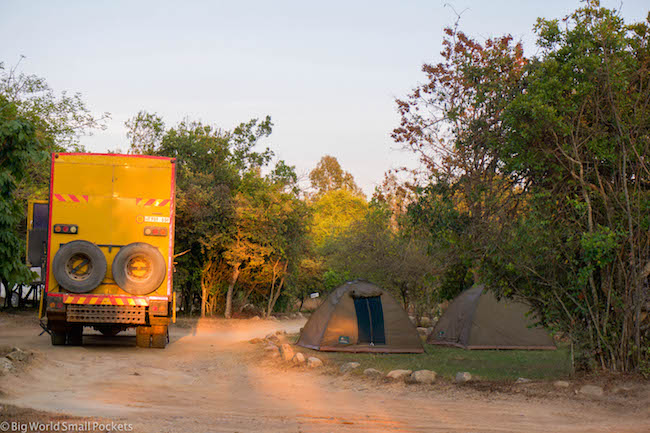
x=204, y=299
x=231, y=287
x=278, y=291
x=272, y=290
x=244, y=300
x=8, y=293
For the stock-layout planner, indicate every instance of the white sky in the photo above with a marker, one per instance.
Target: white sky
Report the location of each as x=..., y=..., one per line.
x=327, y=72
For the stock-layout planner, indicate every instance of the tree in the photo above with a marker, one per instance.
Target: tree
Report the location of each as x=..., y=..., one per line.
x=538, y=180
x=206, y=181
x=145, y=132
x=18, y=147
x=271, y=236
x=333, y=212
x=329, y=176
x=59, y=120
x=34, y=121
x=453, y=123
x=371, y=248
x=580, y=136
x=307, y=277
x=236, y=228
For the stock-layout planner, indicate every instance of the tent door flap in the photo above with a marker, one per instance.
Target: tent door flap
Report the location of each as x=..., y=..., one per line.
x=370, y=320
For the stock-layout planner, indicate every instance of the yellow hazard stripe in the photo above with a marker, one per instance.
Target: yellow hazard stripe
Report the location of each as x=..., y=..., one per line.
x=104, y=300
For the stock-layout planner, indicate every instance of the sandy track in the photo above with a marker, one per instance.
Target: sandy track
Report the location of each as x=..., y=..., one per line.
x=208, y=380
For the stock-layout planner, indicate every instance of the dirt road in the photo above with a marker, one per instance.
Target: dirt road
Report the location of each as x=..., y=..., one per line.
x=209, y=380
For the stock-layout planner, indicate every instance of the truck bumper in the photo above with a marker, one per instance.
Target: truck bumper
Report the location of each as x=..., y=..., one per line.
x=91, y=310
x=106, y=314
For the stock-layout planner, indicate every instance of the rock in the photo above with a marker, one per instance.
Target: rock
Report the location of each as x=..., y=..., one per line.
x=592, y=391
x=255, y=341
x=349, y=366
x=425, y=321
x=271, y=318
x=272, y=338
x=561, y=384
x=423, y=331
x=422, y=376
x=6, y=366
x=399, y=374
x=270, y=348
x=255, y=318
x=287, y=352
x=299, y=315
x=18, y=355
x=313, y=362
x=463, y=376
x=625, y=387
x=271, y=351
x=371, y=372
x=522, y=380
x=299, y=358
x=281, y=332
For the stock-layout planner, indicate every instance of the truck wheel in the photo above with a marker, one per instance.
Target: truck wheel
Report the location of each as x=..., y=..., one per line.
x=58, y=338
x=143, y=336
x=159, y=341
x=139, y=268
x=79, y=266
x=75, y=336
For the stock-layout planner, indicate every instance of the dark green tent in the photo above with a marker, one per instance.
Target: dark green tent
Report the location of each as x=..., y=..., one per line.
x=360, y=317
x=475, y=319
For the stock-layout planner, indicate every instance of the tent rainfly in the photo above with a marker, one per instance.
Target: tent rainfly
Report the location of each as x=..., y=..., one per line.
x=475, y=319
x=360, y=317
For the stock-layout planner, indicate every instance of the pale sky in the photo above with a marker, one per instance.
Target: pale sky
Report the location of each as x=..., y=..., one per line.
x=328, y=72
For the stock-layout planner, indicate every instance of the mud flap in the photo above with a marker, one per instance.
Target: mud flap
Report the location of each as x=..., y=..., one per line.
x=155, y=336
x=143, y=336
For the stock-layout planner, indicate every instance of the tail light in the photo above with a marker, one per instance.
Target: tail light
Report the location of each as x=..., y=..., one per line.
x=155, y=231
x=68, y=229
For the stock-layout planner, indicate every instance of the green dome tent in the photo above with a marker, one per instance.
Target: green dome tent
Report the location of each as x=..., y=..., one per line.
x=360, y=317
x=475, y=319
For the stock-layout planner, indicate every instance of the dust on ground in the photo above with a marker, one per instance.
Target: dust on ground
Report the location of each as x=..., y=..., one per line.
x=210, y=379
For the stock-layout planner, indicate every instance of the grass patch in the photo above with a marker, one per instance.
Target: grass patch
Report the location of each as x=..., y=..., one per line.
x=447, y=361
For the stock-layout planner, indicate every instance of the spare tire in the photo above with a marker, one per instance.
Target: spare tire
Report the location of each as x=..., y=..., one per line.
x=79, y=266
x=139, y=268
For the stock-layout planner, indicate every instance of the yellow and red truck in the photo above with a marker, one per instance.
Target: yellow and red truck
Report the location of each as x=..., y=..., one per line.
x=109, y=248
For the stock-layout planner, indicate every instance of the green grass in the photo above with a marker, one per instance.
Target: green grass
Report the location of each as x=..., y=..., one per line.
x=446, y=361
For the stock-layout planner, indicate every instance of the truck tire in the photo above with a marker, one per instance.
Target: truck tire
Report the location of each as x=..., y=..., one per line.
x=79, y=266
x=58, y=338
x=143, y=336
x=159, y=341
x=139, y=268
x=75, y=335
